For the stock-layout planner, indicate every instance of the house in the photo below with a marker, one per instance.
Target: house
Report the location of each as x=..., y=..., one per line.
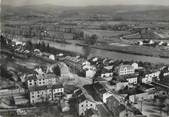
x=146, y=42
x=64, y=106
x=90, y=70
x=39, y=94
x=91, y=113
x=140, y=97
x=84, y=104
x=20, y=100
x=90, y=73
x=140, y=43
x=126, y=69
x=107, y=74
x=52, y=57
x=41, y=80
x=86, y=63
x=37, y=52
x=165, y=72
x=160, y=43
x=117, y=105
x=74, y=63
x=149, y=77
x=132, y=78
x=135, y=65
x=121, y=85
x=102, y=92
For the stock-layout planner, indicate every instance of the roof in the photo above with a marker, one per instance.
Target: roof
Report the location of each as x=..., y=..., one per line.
x=39, y=88
x=78, y=92
x=31, y=77
x=104, y=70
x=147, y=86
x=91, y=112
x=128, y=76
x=99, y=87
x=81, y=98
x=43, y=76
x=121, y=67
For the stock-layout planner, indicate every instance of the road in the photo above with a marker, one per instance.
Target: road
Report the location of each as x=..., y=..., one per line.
x=161, y=85
x=150, y=110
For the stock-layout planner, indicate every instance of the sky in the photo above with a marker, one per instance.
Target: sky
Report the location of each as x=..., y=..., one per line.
x=85, y=2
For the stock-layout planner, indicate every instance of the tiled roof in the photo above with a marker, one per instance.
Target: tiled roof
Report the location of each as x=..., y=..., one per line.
x=100, y=88
x=78, y=92
x=81, y=98
x=38, y=88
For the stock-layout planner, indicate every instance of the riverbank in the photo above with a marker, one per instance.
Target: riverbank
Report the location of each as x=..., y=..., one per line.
x=136, y=50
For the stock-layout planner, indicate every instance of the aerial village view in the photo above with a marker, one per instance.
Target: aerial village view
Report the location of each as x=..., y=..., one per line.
x=80, y=58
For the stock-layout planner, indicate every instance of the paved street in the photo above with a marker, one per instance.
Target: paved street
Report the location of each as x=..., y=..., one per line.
x=150, y=110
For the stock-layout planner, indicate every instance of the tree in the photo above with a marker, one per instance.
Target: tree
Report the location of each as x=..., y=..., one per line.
x=91, y=40
x=3, y=72
x=57, y=71
x=29, y=45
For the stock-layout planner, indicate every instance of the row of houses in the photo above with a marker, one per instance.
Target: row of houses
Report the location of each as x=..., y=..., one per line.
x=46, y=93
x=152, y=43
x=41, y=80
x=115, y=103
x=81, y=65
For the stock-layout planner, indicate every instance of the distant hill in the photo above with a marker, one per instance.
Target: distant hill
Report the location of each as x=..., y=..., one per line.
x=123, y=12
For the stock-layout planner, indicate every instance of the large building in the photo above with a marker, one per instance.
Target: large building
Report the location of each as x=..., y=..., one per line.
x=41, y=79
x=45, y=93
x=150, y=77
x=126, y=69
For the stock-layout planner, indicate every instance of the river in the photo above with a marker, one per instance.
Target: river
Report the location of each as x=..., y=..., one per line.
x=90, y=52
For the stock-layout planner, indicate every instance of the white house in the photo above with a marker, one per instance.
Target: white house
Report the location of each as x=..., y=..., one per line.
x=140, y=43
x=90, y=73
x=45, y=93
x=132, y=79
x=102, y=92
x=39, y=70
x=135, y=65
x=126, y=69
x=52, y=57
x=160, y=43
x=86, y=63
x=120, y=85
x=151, y=42
x=106, y=95
x=41, y=80
x=149, y=77
x=107, y=74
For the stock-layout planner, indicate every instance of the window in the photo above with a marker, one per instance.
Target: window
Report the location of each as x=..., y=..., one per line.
x=91, y=105
x=82, y=105
x=32, y=96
